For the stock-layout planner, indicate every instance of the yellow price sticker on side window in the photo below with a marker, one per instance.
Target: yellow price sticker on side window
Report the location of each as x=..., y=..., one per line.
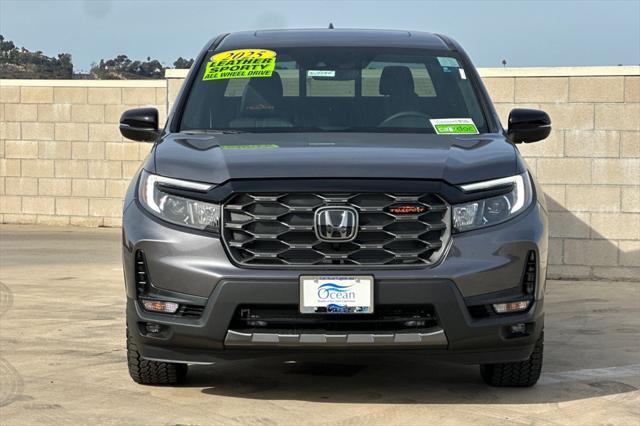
x=241, y=63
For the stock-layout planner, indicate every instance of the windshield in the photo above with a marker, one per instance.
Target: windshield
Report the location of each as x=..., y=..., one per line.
x=333, y=89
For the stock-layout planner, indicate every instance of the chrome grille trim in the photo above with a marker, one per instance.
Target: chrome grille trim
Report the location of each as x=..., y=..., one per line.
x=276, y=230
x=434, y=338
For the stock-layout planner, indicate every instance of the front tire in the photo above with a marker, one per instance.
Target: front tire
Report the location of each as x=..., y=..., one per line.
x=515, y=374
x=147, y=372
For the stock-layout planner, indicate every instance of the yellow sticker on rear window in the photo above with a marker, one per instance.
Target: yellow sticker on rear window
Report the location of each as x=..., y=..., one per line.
x=241, y=63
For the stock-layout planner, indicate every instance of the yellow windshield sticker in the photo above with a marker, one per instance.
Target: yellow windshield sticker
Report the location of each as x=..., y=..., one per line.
x=241, y=63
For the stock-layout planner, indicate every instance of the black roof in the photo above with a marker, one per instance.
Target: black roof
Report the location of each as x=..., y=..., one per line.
x=332, y=37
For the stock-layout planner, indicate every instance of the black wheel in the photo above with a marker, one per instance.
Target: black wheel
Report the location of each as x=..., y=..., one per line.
x=515, y=374
x=152, y=372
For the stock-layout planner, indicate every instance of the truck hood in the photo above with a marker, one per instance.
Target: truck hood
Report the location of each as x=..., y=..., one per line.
x=216, y=158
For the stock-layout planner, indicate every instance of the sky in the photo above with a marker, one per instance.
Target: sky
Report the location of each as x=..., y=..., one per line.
x=524, y=33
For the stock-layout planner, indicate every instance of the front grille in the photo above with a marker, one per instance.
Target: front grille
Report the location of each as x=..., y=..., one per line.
x=287, y=319
x=277, y=229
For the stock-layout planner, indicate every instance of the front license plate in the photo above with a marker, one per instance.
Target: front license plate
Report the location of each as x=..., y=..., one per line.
x=336, y=294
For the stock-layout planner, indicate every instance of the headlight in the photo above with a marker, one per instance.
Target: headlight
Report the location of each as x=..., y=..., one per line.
x=491, y=211
x=176, y=209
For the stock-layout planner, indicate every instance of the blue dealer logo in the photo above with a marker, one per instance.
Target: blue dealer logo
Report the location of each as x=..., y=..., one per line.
x=336, y=292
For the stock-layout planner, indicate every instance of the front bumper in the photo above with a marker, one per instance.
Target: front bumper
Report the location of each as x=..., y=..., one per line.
x=481, y=267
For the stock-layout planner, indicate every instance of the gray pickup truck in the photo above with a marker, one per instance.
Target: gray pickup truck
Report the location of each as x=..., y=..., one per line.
x=334, y=191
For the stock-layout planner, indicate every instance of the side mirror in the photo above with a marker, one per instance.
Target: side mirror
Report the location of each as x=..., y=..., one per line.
x=140, y=124
x=528, y=125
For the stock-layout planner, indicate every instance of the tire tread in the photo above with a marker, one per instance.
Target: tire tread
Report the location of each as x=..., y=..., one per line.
x=516, y=374
x=147, y=372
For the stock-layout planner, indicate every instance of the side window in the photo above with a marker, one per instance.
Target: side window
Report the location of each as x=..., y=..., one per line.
x=421, y=78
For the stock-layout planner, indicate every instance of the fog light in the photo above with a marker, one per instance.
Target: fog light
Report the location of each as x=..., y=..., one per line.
x=153, y=328
x=507, y=308
x=160, y=306
x=520, y=328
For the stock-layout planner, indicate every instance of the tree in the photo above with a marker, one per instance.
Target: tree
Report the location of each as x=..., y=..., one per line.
x=21, y=63
x=123, y=68
x=6, y=46
x=183, y=63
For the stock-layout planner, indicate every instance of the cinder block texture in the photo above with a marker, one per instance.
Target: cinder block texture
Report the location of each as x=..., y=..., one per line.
x=70, y=95
x=596, y=89
x=632, y=89
x=105, y=95
x=63, y=160
x=9, y=94
x=36, y=95
x=21, y=112
x=139, y=95
x=617, y=116
x=589, y=168
x=501, y=89
x=589, y=143
x=590, y=252
x=542, y=89
x=630, y=144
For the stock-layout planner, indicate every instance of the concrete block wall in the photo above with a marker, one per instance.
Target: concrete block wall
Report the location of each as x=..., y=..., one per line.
x=63, y=161
x=589, y=167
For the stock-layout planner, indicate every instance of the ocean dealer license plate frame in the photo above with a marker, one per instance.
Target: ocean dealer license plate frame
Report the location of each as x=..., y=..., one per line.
x=336, y=294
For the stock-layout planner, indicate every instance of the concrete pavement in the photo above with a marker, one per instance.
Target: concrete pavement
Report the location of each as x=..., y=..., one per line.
x=62, y=358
